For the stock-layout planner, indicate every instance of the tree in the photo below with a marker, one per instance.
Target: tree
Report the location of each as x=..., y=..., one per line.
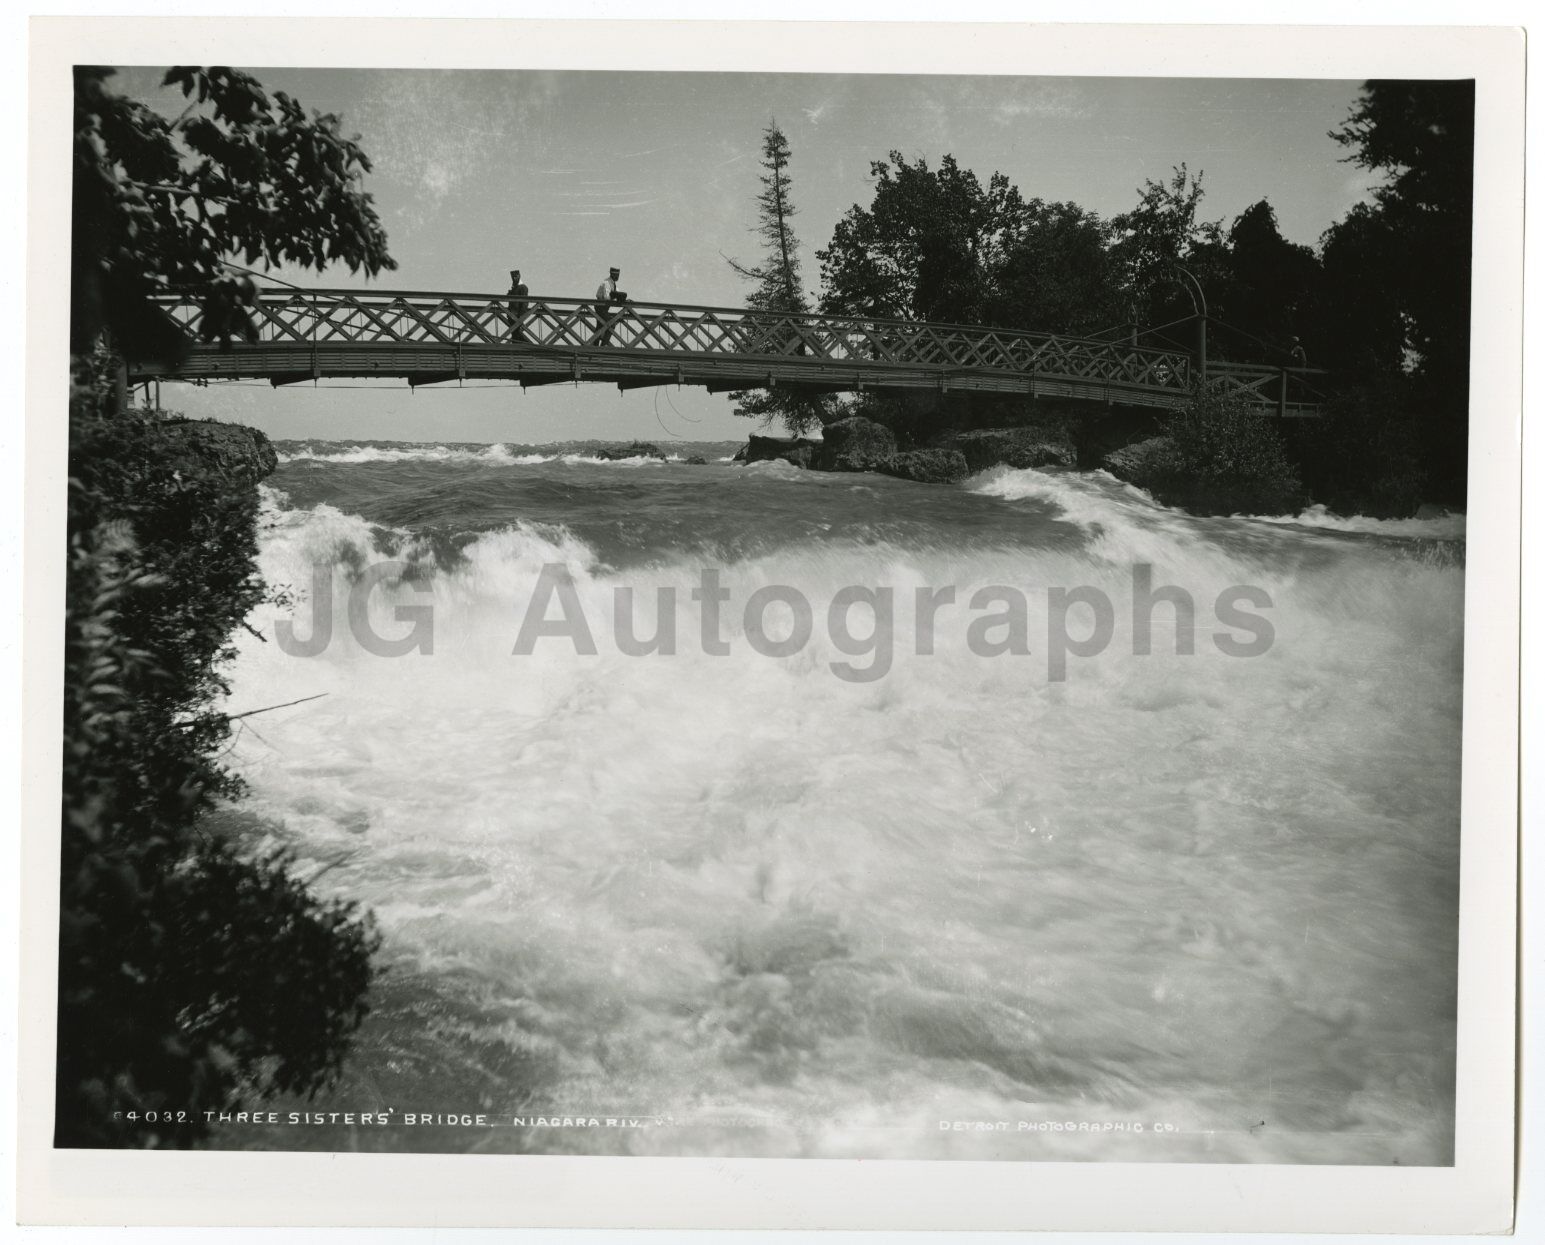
x=1274, y=283
x=1415, y=242
x=1056, y=274
x=161, y=205
x=926, y=248
x=1157, y=239
x=777, y=285
x=1359, y=326
x=195, y=968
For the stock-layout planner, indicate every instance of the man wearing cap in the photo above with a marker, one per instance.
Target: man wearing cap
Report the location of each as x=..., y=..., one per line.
x=607, y=295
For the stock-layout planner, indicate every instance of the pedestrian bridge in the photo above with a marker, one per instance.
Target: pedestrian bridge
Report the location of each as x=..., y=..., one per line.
x=436, y=339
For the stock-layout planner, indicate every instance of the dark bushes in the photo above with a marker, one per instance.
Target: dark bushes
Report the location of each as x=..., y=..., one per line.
x=192, y=973
x=1218, y=455
x=1364, y=456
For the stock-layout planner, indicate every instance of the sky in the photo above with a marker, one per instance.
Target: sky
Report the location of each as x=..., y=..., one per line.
x=564, y=174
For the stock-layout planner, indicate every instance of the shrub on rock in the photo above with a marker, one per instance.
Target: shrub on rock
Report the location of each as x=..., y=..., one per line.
x=1218, y=455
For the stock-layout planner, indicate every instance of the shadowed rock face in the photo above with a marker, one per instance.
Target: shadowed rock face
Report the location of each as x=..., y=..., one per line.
x=794, y=450
x=927, y=466
x=855, y=444
x=207, y=447
x=1155, y=465
x=1143, y=463
x=1013, y=447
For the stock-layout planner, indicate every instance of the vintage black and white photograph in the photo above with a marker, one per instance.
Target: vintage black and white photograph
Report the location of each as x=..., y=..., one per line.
x=765, y=614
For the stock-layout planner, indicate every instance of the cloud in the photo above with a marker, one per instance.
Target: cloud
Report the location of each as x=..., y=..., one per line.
x=1042, y=100
x=431, y=131
x=436, y=180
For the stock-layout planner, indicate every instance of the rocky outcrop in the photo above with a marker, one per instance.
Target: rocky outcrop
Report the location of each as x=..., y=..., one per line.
x=1030, y=446
x=695, y=460
x=206, y=447
x=1154, y=464
x=1143, y=463
x=795, y=450
x=638, y=449
x=927, y=466
x=855, y=444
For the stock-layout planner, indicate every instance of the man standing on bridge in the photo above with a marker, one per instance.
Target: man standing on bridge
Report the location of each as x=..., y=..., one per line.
x=518, y=304
x=607, y=296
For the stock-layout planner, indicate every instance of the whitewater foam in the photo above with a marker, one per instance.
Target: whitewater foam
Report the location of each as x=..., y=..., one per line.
x=1201, y=890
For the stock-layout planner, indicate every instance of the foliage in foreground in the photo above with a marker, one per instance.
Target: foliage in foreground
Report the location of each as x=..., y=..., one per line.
x=192, y=972
x=162, y=204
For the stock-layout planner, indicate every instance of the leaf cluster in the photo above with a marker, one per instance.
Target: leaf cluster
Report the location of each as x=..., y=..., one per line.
x=240, y=175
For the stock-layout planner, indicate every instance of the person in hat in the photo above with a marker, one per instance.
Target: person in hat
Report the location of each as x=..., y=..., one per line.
x=518, y=303
x=1297, y=356
x=607, y=298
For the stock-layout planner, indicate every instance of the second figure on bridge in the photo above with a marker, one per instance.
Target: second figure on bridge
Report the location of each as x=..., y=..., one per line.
x=608, y=306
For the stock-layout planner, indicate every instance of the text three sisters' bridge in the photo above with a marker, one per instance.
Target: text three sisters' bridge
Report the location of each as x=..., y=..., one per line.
x=432, y=338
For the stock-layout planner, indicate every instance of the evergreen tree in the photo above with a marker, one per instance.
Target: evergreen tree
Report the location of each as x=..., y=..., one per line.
x=777, y=288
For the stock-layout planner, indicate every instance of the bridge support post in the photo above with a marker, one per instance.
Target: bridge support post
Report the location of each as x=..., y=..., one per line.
x=1282, y=395
x=1201, y=346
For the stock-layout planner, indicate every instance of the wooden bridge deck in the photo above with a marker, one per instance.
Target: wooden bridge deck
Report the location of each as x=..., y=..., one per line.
x=433, y=338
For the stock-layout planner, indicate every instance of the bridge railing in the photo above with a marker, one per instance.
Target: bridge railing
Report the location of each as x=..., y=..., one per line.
x=1292, y=390
x=333, y=317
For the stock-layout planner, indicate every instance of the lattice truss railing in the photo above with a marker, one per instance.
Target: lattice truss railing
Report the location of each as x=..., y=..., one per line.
x=342, y=317
x=1263, y=384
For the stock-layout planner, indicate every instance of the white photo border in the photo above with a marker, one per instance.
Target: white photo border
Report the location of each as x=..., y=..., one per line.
x=279, y=1189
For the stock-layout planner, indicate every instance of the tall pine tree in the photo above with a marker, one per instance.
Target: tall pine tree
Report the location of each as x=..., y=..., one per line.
x=777, y=286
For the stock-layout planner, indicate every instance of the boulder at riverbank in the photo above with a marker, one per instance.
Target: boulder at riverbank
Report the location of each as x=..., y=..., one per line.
x=1030, y=446
x=796, y=450
x=855, y=444
x=927, y=466
x=203, y=448
x=1158, y=465
x=1147, y=463
x=859, y=444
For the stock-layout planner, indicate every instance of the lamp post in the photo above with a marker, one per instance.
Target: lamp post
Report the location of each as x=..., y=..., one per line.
x=1201, y=317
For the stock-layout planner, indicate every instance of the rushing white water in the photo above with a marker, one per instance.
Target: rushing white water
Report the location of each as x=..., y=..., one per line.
x=778, y=911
